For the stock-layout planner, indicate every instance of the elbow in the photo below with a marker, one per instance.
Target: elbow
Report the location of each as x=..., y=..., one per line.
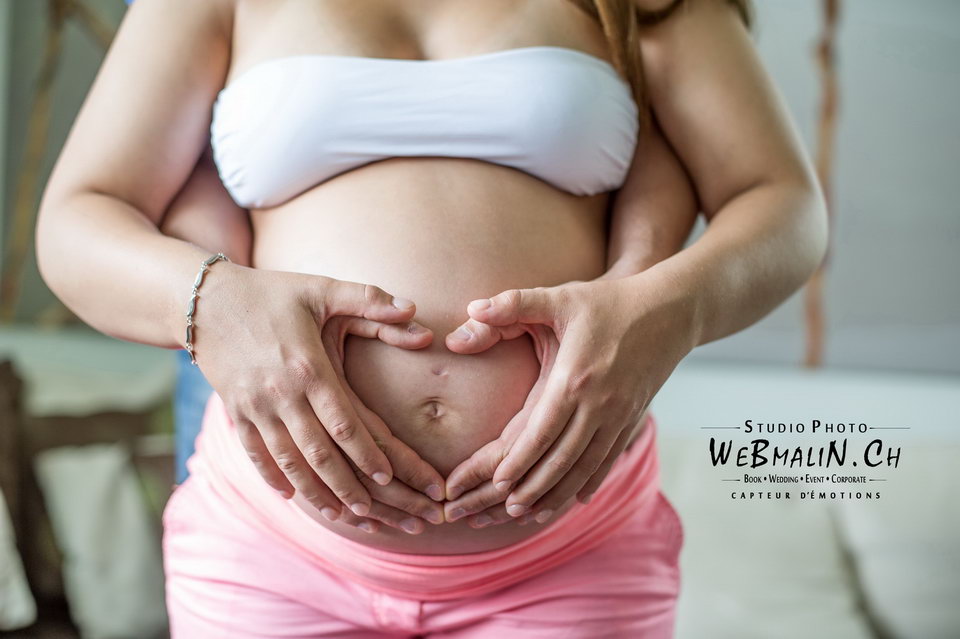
x=44, y=241
x=53, y=242
x=812, y=221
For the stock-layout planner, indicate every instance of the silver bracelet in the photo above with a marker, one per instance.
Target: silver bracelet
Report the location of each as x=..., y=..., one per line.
x=192, y=306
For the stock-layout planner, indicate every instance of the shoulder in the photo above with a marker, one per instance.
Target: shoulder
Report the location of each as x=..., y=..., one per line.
x=216, y=15
x=668, y=13
x=681, y=32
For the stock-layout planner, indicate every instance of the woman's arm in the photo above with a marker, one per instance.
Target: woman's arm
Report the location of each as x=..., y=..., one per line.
x=139, y=134
x=767, y=228
x=620, y=339
x=204, y=214
x=651, y=217
x=136, y=138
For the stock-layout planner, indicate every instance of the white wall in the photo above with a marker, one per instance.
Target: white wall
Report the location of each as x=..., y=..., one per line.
x=892, y=299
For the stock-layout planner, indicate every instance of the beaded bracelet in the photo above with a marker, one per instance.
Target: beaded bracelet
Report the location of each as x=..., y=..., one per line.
x=192, y=306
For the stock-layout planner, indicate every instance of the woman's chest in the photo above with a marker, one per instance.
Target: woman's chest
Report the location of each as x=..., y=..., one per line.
x=411, y=29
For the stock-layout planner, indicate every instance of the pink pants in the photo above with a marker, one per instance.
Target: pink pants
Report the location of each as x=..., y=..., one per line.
x=242, y=562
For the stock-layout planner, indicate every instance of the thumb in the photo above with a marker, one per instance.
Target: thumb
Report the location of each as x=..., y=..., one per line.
x=475, y=470
x=526, y=305
x=473, y=336
x=330, y=297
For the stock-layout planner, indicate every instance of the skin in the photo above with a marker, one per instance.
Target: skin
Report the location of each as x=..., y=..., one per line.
x=766, y=234
x=569, y=332
x=650, y=218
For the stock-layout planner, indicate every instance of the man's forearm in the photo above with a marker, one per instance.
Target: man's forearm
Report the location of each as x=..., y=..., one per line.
x=653, y=213
x=203, y=213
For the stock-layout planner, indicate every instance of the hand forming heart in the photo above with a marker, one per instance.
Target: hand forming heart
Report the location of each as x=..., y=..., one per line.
x=606, y=347
x=604, y=350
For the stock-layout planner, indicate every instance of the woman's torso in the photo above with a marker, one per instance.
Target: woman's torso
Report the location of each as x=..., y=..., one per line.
x=439, y=231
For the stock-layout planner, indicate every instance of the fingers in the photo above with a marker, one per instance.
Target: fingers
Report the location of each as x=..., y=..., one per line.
x=333, y=407
x=365, y=524
x=411, y=469
x=340, y=297
x=262, y=459
x=477, y=469
x=475, y=501
x=480, y=467
x=405, y=499
x=498, y=515
x=492, y=516
x=562, y=460
x=543, y=505
x=548, y=419
x=586, y=492
x=288, y=459
x=410, y=335
x=473, y=336
x=321, y=454
x=528, y=305
x=381, y=513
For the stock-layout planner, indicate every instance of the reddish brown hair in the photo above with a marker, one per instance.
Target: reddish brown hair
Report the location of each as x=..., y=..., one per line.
x=621, y=21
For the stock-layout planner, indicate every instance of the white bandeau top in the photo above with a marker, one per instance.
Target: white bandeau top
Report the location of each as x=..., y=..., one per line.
x=291, y=123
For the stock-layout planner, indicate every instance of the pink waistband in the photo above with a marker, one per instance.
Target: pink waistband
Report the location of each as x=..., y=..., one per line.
x=631, y=484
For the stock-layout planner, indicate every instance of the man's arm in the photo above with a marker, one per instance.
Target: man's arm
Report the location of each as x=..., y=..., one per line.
x=204, y=214
x=653, y=213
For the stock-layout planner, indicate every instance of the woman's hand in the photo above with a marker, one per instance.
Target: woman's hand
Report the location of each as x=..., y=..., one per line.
x=396, y=504
x=618, y=342
x=259, y=343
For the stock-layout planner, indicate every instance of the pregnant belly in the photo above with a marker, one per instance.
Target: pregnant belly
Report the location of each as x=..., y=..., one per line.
x=442, y=233
x=442, y=404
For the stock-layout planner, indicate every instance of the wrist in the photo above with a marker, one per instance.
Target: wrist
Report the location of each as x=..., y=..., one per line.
x=673, y=294
x=197, y=315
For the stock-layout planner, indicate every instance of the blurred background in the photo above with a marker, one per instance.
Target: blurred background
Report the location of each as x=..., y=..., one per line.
x=86, y=450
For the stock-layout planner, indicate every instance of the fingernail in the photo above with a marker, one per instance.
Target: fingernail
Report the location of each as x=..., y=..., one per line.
x=411, y=525
x=329, y=513
x=463, y=333
x=435, y=516
x=454, y=492
x=586, y=500
x=543, y=515
x=402, y=303
x=360, y=509
x=523, y=521
x=435, y=492
x=286, y=493
x=503, y=485
x=366, y=525
x=515, y=510
x=484, y=520
x=381, y=478
x=456, y=514
x=479, y=305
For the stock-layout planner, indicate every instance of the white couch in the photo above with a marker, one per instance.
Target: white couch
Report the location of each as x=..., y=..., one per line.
x=888, y=567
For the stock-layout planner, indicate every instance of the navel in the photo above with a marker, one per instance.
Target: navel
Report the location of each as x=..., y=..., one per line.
x=433, y=409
